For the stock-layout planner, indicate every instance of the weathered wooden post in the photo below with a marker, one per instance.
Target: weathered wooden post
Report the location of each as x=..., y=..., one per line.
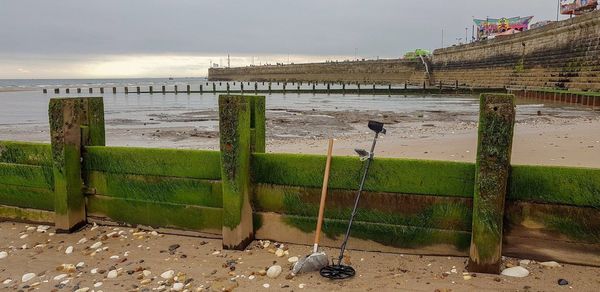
x=313, y=88
x=74, y=123
x=78, y=90
x=269, y=87
x=151, y=89
x=258, y=124
x=114, y=90
x=441, y=85
x=138, y=90
x=298, y=87
x=456, y=85
x=242, y=87
x=227, y=88
x=45, y=90
x=67, y=91
x=102, y=90
x=56, y=90
x=358, y=88
x=405, y=85
x=126, y=90
x=373, y=88
x=328, y=88
x=201, y=89
x=164, y=89
x=188, y=89
x=91, y=90
x=235, y=142
x=424, y=85
x=496, y=125
x=389, y=89
x=214, y=88
x=175, y=89
x=255, y=88
x=284, y=85
x=344, y=88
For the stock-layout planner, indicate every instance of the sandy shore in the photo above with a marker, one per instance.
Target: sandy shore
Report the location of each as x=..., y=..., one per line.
x=200, y=265
x=544, y=139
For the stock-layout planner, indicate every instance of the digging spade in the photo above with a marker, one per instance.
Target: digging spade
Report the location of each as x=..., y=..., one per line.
x=317, y=259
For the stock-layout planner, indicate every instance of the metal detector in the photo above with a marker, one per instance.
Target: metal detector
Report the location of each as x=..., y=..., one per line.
x=337, y=271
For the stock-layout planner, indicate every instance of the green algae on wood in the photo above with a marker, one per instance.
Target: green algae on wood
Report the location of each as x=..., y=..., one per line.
x=388, y=208
x=235, y=140
x=496, y=127
x=27, y=197
x=26, y=215
x=198, y=164
x=26, y=175
x=258, y=124
x=157, y=189
x=553, y=184
x=67, y=118
x=25, y=153
x=407, y=176
x=155, y=214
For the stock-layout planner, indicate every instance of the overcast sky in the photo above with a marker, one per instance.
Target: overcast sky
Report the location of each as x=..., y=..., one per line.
x=158, y=38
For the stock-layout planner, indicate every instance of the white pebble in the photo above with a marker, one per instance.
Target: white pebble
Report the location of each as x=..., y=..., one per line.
x=115, y=257
x=80, y=265
x=301, y=286
x=293, y=259
x=154, y=233
x=96, y=245
x=84, y=289
x=60, y=277
x=69, y=250
x=24, y=236
x=279, y=252
x=146, y=273
x=27, y=277
x=7, y=281
x=98, y=284
x=82, y=241
x=168, y=274
x=251, y=277
x=94, y=271
x=517, y=271
x=177, y=287
x=266, y=285
x=551, y=264
x=112, y=274
x=3, y=255
x=216, y=252
x=274, y=271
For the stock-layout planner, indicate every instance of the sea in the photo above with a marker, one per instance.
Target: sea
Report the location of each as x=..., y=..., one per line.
x=22, y=101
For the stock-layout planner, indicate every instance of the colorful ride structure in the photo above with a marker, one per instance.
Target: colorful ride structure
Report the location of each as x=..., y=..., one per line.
x=491, y=27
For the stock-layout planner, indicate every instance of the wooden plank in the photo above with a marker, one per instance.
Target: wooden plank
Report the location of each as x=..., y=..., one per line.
x=365, y=236
x=151, y=161
x=235, y=145
x=25, y=175
x=496, y=127
x=25, y=215
x=26, y=197
x=157, y=189
x=154, y=214
x=376, y=207
x=25, y=153
x=406, y=176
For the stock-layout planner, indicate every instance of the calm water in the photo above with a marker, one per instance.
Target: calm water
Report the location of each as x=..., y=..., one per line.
x=30, y=107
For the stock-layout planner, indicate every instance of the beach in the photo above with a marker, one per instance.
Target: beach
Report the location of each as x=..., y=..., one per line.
x=131, y=259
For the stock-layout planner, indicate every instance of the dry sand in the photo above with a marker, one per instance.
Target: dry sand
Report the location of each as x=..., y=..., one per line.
x=201, y=265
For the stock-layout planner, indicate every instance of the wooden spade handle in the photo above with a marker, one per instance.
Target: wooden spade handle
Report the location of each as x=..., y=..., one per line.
x=323, y=194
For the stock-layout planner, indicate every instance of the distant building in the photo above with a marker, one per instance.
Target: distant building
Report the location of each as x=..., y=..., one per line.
x=490, y=27
x=577, y=7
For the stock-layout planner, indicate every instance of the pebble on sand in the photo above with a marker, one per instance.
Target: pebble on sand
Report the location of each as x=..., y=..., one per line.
x=177, y=287
x=168, y=274
x=266, y=285
x=274, y=271
x=518, y=272
x=27, y=277
x=112, y=274
x=98, y=284
x=69, y=250
x=3, y=254
x=60, y=277
x=96, y=245
x=293, y=259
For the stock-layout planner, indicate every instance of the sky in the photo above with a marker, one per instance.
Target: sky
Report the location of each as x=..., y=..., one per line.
x=181, y=38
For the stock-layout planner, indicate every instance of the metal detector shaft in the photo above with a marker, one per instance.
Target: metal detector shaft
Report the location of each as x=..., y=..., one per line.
x=360, y=189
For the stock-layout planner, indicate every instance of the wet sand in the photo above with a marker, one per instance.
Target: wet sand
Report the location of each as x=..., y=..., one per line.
x=200, y=264
x=544, y=138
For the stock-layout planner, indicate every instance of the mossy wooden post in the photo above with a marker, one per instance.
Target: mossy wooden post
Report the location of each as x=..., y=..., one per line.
x=496, y=124
x=74, y=122
x=235, y=135
x=257, y=124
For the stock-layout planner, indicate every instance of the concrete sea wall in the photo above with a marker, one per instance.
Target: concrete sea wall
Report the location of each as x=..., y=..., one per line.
x=380, y=71
x=562, y=55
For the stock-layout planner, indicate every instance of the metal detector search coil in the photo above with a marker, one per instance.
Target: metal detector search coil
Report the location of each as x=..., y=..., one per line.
x=339, y=271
